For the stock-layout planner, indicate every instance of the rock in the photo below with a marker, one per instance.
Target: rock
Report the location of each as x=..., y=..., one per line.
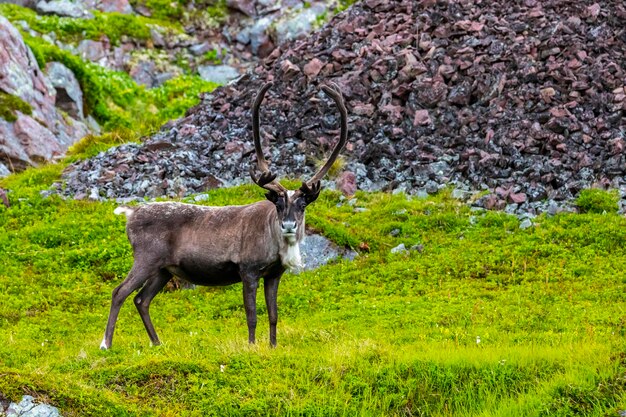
x=419, y=248
x=221, y=74
x=118, y=6
x=259, y=39
x=313, y=67
x=346, y=183
x=5, y=201
x=247, y=7
x=69, y=96
x=91, y=50
x=517, y=198
x=4, y=171
x=28, y=408
x=63, y=8
x=400, y=249
x=200, y=48
x=144, y=73
x=45, y=133
x=316, y=251
x=298, y=25
x=422, y=118
x=525, y=224
x=38, y=142
x=289, y=69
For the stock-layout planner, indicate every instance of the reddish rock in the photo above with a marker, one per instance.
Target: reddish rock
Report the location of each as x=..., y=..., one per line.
x=313, y=67
x=517, y=198
x=4, y=198
x=362, y=109
x=422, y=118
x=38, y=142
x=233, y=147
x=32, y=139
x=288, y=69
x=346, y=183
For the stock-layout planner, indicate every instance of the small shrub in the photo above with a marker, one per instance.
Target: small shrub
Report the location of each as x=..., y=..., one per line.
x=598, y=201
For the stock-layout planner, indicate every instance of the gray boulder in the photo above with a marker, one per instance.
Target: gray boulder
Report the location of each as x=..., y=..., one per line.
x=300, y=24
x=316, y=251
x=63, y=8
x=69, y=97
x=28, y=408
x=220, y=74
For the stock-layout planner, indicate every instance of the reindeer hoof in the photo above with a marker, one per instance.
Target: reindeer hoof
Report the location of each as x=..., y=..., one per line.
x=103, y=345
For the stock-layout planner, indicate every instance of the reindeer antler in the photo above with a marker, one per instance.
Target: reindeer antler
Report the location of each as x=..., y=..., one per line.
x=266, y=180
x=332, y=90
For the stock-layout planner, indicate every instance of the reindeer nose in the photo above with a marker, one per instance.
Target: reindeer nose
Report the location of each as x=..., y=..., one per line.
x=289, y=226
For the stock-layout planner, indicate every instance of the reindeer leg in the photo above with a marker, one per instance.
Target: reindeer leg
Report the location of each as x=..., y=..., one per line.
x=250, y=285
x=137, y=276
x=270, y=287
x=144, y=298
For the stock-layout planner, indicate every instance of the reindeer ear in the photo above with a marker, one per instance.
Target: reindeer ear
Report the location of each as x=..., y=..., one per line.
x=310, y=193
x=272, y=196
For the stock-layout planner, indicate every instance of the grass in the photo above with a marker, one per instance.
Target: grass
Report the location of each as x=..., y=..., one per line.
x=595, y=200
x=387, y=334
x=487, y=320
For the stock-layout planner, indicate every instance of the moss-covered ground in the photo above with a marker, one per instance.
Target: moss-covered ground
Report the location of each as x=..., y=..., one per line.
x=487, y=320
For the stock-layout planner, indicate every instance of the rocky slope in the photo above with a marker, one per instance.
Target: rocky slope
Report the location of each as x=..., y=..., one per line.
x=43, y=111
x=527, y=101
x=67, y=71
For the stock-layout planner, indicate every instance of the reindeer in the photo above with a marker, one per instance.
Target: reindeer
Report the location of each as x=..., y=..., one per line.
x=218, y=246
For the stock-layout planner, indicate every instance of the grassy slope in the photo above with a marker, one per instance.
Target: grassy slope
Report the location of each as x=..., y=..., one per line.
x=384, y=335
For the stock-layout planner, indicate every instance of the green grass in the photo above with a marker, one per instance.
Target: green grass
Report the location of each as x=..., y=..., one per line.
x=599, y=201
x=383, y=335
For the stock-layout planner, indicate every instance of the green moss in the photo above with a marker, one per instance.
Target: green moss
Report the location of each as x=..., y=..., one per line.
x=163, y=9
x=10, y=104
x=344, y=4
x=174, y=10
x=112, y=25
x=598, y=201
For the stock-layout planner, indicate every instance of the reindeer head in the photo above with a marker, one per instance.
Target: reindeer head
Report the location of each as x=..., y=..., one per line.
x=290, y=205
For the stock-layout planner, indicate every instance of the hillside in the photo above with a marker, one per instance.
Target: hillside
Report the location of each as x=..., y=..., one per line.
x=446, y=306
x=527, y=102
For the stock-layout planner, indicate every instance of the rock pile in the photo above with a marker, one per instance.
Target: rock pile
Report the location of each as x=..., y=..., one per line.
x=528, y=101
